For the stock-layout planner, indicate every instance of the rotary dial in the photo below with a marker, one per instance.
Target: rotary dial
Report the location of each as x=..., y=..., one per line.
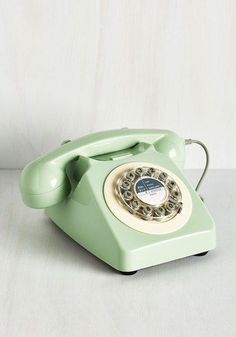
x=149, y=193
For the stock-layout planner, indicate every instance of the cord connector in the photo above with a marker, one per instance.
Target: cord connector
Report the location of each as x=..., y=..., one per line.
x=188, y=141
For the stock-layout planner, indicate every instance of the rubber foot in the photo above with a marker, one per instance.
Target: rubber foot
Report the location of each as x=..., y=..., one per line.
x=128, y=272
x=201, y=254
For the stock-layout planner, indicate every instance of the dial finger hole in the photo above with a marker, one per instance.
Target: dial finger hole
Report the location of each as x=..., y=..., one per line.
x=163, y=176
x=175, y=194
x=139, y=171
x=135, y=205
x=159, y=211
x=151, y=171
x=171, y=184
x=147, y=210
x=126, y=184
x=130, y=175
x=170, y=206
x=128, y=195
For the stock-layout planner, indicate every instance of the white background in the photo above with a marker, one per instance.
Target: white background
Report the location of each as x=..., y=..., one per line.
x=68, y=68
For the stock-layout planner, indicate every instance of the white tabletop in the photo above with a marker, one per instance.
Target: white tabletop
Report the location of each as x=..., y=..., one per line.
x=50, y=286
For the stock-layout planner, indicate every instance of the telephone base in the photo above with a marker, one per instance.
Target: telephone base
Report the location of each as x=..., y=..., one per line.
x=95, y=215
x=86, y=218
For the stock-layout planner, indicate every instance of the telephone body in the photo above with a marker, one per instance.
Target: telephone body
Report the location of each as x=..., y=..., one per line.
x=122, y=195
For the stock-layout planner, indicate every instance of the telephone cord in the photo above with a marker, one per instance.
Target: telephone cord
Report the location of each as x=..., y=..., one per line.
x=203, y=146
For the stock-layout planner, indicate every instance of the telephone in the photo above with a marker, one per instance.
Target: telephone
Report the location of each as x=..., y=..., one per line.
x=122, y=195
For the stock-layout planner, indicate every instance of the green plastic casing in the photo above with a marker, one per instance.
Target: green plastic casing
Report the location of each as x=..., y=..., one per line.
x=69, y=183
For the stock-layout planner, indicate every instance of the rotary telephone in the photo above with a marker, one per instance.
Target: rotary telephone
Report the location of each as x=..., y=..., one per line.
x=122, y=195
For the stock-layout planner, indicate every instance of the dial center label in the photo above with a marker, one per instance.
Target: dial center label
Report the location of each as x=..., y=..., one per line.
x=150, y=191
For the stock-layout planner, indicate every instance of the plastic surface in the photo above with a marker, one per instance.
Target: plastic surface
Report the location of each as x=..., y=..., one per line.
x=69, y=182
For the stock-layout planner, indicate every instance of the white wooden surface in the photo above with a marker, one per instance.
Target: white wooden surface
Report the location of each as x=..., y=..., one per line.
x=68, y=68
x=50, y=286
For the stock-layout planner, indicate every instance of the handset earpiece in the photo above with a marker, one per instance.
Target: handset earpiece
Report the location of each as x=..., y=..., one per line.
x=172, y=146
x=44, y=184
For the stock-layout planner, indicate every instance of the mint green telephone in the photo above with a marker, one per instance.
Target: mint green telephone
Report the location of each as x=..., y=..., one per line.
x=122, y=195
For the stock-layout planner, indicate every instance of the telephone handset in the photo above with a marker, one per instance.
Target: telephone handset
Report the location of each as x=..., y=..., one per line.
x=44, y=182
x=123, y=196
